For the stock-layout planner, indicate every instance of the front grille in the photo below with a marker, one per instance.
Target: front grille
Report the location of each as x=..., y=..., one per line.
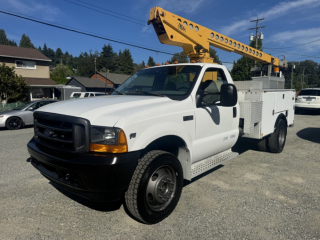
x=62, y=133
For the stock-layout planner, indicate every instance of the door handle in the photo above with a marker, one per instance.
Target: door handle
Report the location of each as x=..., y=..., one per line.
x=188, y=118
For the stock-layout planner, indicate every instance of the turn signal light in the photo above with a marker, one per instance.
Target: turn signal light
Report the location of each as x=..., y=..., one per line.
x=158, y=64
x=121, y=147
x=175, y=62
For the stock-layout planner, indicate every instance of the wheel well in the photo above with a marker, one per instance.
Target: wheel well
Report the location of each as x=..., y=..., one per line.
x=281, y=116
x=15, y=117
x=169, y=143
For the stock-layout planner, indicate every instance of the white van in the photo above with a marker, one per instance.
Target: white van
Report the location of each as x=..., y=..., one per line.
x=86, y=94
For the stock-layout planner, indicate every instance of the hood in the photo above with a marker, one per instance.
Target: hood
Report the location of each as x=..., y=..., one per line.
x=106, y=111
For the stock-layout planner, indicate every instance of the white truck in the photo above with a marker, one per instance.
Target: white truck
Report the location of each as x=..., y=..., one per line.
x=163, y=125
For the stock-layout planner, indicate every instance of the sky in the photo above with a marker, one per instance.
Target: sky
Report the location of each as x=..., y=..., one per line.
x=288, y=24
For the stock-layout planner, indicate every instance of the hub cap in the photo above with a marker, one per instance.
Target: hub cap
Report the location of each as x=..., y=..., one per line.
x=161, y=188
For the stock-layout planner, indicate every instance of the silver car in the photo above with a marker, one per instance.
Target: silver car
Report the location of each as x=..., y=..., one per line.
x=21, y=116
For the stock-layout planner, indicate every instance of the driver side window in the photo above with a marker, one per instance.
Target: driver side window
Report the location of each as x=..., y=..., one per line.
x=211, y=84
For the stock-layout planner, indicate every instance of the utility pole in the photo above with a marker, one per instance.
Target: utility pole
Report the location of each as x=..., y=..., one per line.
x=292, y=67
x=257, y=30
x=95, y=66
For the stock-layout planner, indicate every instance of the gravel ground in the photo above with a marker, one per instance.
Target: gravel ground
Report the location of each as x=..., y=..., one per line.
x=254, y=196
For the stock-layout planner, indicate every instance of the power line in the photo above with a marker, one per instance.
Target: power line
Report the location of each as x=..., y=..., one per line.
x=291, y=53
x=142, y=21
x=297, y=45
x=84, y=33
x=104, y=13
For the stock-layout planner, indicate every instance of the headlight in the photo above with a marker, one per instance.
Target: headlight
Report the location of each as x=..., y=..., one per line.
x=108, y=139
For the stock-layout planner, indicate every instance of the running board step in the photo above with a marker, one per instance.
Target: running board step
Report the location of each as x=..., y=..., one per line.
x=211, y=162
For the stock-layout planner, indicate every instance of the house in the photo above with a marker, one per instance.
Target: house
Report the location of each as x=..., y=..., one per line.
x=113, y=79
x=33, y=66
x=90, y=84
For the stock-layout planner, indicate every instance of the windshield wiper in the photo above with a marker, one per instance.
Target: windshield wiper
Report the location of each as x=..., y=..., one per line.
x=122, y=93
x=150, y=93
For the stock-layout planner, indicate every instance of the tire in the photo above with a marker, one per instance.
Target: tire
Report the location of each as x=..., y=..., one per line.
x=155, y=187
x=14, y=123
x=263, y=145
x=277, y=139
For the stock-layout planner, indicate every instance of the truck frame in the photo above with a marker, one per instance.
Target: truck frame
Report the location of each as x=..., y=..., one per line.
x=163, y=125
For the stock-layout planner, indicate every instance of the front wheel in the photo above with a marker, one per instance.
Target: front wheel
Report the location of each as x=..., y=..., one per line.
x=14, y=123
x=155, y=187
x=277, y=139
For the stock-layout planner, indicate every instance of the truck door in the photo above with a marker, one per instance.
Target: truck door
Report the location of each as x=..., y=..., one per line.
x=216, y=126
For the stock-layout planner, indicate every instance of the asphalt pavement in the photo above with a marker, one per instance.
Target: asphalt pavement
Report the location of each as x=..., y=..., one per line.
x=257, y=195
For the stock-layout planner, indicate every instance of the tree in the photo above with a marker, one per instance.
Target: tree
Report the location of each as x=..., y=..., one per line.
x=45, y=50
x=213, y=54
x=241, y=70
x=179, y=57
x=85, y=64
x=107, y=59
x=151, y=62
x=139, y=66
x=26, y=42
x=4, y=40
x=61, y=71
x=12, y=87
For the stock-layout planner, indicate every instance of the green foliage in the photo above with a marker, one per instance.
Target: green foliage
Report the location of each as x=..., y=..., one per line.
x=241, y=70
x=305, y=74
x=26, y=42
x=213, y=54
x=4, y=40
x=108, y=59
x=180, y=57
x=62, y=71
x=139, y=66
x=85, y=64
x=12, y=87
x=151, y=62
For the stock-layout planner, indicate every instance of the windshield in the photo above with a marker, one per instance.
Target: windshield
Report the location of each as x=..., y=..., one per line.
x=175, y=82
x=24, y=104
x=310, y=92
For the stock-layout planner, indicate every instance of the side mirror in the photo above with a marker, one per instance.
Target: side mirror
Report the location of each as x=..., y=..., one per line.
x=229, y=95
x=30, y=109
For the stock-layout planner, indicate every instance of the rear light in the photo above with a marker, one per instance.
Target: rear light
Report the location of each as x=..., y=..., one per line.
x=298, y=95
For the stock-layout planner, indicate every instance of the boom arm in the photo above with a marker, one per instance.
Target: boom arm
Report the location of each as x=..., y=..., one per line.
x=195, y=39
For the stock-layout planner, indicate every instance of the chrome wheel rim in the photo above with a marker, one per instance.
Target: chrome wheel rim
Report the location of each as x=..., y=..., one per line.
x=161, y=188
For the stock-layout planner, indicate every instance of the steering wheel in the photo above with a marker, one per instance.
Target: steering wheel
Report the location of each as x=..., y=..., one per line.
x=183, y=88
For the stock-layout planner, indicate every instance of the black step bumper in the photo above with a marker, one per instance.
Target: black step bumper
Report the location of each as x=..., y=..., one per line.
x=94, y=176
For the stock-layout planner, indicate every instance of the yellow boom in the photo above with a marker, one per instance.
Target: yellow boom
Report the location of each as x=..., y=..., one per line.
x=195, y=39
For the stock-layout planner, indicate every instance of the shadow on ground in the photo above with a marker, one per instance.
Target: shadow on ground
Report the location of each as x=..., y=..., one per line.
x=310, y=134
x=309, y=113
x=102, y=207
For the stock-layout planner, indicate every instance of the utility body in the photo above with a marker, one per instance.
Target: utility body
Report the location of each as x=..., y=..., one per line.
x=163, y=125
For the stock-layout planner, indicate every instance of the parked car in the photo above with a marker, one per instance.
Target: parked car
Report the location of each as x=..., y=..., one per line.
x=86, y=94
x=308, y=99
x=21, y=116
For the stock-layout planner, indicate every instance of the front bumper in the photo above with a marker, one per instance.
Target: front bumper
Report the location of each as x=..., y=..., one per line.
x=94, y=176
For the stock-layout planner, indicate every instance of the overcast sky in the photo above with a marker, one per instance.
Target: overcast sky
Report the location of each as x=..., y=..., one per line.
x=288, y=23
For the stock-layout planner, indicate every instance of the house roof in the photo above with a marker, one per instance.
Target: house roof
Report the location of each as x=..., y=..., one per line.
x=90, y=82
x=115, y=77
x=20, y=52
x=39, y=81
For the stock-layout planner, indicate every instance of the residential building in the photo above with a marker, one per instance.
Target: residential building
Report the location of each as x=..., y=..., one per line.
x=33, y=66
x=113, y=79
x=90, y=84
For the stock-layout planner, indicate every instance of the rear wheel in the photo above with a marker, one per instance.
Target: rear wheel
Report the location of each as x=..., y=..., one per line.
x=14, y=123
x=277, y=139
x=263, y=145
x=155, y=187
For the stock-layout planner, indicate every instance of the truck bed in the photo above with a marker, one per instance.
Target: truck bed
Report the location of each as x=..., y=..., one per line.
x=260, y=107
